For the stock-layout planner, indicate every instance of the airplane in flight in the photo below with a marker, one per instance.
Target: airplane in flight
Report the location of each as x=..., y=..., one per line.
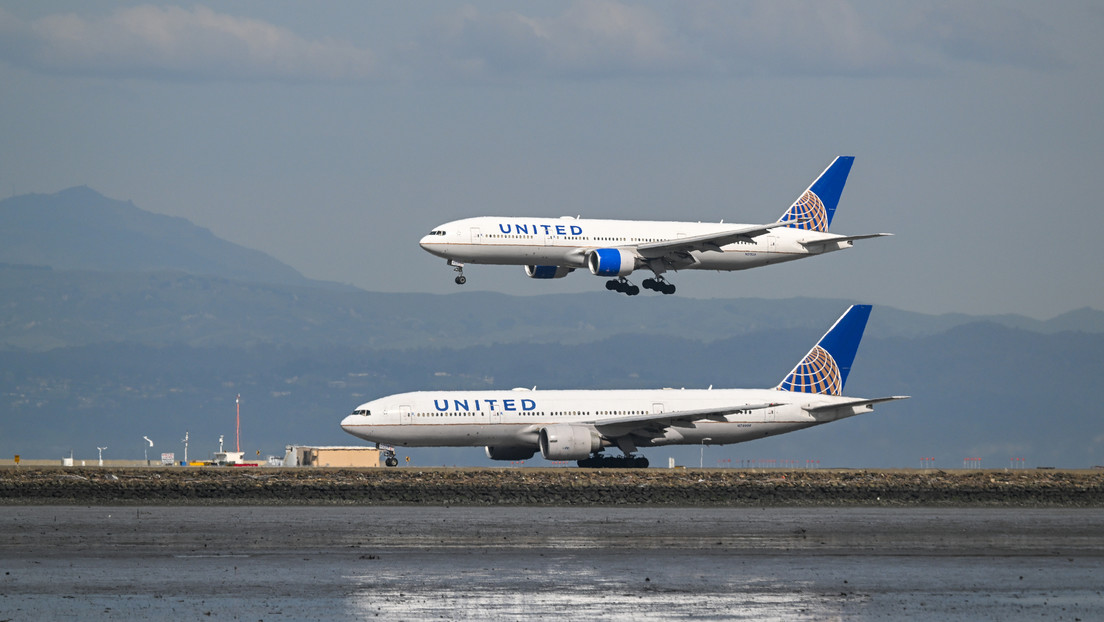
x=580, y=424
x=552, y=248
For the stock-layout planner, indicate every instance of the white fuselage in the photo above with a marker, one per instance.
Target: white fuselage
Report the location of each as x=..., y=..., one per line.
x=566, y=241
x=515, y=418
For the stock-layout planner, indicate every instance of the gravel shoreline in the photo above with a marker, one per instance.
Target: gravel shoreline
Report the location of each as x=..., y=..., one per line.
x=548, y=487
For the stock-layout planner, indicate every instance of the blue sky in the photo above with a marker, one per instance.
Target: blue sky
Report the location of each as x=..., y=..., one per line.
x=333, y=135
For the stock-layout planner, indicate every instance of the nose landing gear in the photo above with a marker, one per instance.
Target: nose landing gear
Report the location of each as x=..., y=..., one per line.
x=388, y=456
x=459, y=269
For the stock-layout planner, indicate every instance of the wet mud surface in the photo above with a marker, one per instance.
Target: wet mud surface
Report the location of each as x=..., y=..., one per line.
x=418, y=562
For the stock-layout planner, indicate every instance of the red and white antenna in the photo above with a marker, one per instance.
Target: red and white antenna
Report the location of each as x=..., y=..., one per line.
x=237, y=425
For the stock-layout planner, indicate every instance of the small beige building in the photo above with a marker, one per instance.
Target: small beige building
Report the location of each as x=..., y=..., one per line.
x=299, y=455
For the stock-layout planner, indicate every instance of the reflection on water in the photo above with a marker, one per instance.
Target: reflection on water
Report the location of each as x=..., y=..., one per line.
x=590, y=603
x=612, y=585
x=545, y=563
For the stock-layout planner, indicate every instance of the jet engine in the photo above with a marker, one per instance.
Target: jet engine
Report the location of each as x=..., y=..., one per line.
x=547, y=272
x=568, y=442
x=510, y=453
x=611, y=262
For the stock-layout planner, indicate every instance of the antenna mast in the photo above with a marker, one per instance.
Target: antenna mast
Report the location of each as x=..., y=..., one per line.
x=237, y=425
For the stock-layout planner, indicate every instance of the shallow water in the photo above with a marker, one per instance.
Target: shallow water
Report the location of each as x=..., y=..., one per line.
x=400, y=563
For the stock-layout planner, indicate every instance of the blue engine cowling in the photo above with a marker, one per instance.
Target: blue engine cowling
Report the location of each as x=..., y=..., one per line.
x=611, y=262
x=568, y=442
x=510, y=453
x=547, y=272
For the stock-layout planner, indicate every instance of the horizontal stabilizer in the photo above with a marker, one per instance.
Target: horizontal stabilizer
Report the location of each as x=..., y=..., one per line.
x=843, y=238
x=813, y=409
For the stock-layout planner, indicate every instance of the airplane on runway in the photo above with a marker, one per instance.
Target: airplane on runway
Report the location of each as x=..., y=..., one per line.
x=581, y=424
x=552, y=248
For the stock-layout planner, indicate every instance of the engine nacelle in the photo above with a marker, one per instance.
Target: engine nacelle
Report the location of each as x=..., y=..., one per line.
x=547, y=272
x=510, y=453
x=568, y=442
x=611, y=262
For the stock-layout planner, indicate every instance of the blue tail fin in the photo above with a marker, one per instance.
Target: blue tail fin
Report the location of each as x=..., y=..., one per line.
x=816, y=206
x=824, y=369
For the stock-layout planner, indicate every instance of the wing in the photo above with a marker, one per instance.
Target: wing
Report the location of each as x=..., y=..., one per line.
x=705, y=242
x=620, y=426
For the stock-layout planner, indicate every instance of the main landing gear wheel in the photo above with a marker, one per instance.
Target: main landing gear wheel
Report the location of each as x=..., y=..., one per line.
x=460, y=280
x=622, y=285
x=659, y=285
x=614, y=462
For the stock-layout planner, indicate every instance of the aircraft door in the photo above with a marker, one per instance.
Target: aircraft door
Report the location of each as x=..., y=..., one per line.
x=404, y=414
x=476, y=236
x=657, y=408
x=488, y=415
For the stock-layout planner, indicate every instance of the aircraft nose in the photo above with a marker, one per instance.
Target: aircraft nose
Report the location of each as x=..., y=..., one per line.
x=434, y=245
x=348, y=422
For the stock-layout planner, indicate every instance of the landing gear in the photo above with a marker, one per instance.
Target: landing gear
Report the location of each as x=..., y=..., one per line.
x=659, y=284
x=388, y=455
x=621, y=284
x=460, y=278
x=598, y=461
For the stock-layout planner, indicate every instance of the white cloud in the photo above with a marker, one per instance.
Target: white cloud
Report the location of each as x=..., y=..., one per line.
x=176, y=43
x=790, y=37
x=584, y=39
x=588, y=39
x=768, y=37
x=989, y=33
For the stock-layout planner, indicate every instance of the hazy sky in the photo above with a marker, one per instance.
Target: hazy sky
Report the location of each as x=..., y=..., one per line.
x=333, y=135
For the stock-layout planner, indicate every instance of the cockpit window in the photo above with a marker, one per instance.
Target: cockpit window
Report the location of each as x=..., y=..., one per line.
x=363, y=411
x=437, y=232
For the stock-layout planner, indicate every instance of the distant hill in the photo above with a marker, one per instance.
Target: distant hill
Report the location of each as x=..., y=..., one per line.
x=45, y=308
x=80, y=229
x=117, y=323
x=978, y=390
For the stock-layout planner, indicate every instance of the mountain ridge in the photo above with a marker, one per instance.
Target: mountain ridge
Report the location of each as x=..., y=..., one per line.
x=79, y=228
x=89, y=355
x=48, y=308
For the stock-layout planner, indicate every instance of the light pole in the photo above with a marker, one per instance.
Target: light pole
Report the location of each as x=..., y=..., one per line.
x=101, y=454
x=185, y=448
x=145, y=450
x=701, y=458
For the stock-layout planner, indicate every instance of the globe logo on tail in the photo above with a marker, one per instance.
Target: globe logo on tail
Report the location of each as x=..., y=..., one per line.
x=817, y=373
x=807, y=213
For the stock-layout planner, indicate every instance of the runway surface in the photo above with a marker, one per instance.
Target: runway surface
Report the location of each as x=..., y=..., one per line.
x=405, y=563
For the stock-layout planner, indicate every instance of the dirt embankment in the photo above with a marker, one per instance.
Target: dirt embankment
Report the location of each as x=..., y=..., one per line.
x=559, y=486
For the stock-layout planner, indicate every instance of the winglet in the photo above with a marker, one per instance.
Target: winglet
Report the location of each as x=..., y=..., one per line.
x=816, y=206
x=825, y=368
